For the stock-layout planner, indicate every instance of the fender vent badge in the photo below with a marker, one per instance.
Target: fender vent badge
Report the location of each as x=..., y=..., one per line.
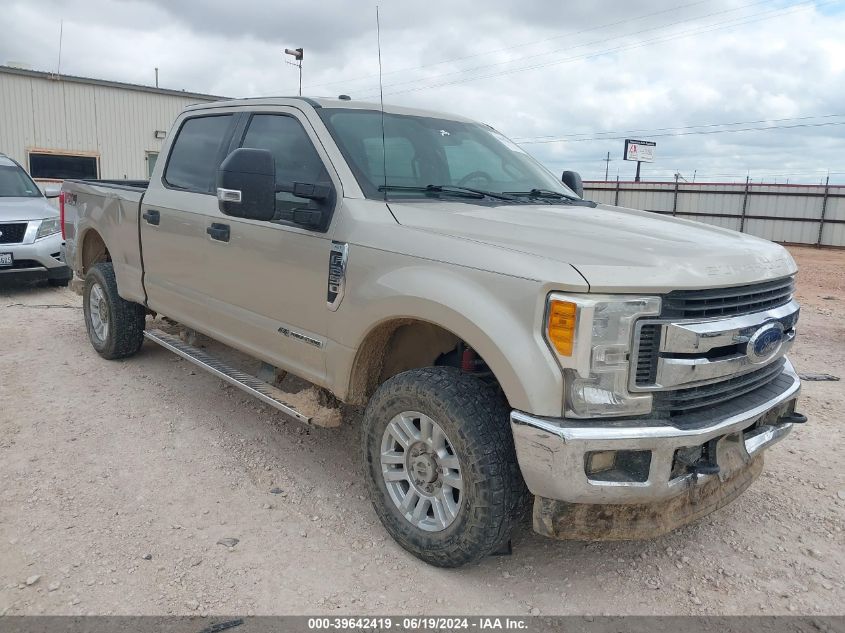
x=338, y=258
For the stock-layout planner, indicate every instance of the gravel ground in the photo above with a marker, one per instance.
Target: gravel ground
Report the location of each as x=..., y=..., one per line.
x=118, y=481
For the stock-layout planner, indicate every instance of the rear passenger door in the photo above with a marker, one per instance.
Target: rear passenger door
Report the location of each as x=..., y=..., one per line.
x=175, y=213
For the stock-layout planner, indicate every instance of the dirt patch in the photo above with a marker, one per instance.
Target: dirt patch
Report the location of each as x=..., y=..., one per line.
x=307, y=399
x=118, y=479
x=308, y=402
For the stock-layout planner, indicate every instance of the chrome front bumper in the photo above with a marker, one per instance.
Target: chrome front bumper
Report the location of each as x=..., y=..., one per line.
x=552, y=452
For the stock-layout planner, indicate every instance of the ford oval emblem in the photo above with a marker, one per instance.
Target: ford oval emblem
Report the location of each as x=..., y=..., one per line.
x=765, y=343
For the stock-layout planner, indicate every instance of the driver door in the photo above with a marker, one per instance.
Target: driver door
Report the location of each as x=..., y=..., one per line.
x=269, y=279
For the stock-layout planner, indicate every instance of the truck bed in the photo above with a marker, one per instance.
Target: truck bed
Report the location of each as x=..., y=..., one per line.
x=131, y=185
x=106, y=210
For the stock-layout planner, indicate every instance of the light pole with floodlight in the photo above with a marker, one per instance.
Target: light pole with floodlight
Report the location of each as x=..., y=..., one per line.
x=296, y=53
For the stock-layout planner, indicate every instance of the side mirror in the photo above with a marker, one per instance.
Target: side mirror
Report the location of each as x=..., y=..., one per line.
x=52, y=191
x=246, y=184
x=572, y=179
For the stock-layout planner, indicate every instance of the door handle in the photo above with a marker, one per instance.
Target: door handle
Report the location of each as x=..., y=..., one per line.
x=152, y=216
x=218, y=232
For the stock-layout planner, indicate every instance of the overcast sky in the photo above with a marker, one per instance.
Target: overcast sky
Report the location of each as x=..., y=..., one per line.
x=535, y=70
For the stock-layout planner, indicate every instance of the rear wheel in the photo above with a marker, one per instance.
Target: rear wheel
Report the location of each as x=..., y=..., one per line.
x=441, y=465
x=115, y=326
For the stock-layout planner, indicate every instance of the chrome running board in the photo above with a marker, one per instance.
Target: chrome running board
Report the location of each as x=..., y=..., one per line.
x=250, y=384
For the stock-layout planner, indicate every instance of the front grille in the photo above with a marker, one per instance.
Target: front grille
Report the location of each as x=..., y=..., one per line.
x=681, y=401
x=691, y=304
x=647, y=354
x=12, y=233
x=703, y=304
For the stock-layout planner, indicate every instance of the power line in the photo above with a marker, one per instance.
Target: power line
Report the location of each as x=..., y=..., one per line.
x=754, y=174
x=758, y=174
x=667, y=131
x=583, y=45
x=644, y=131
x=693, y=133
x=745, y=171
x=711, y=28
x=679, y=162
x=522, y=45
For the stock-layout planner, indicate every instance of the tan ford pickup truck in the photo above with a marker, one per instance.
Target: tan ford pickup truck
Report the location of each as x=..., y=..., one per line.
x=505, y=335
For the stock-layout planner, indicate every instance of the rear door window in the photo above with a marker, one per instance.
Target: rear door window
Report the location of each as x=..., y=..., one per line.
x=196, y=153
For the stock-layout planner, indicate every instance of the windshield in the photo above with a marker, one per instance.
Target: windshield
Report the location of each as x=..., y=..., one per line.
x=424, y=152
x=14, y=182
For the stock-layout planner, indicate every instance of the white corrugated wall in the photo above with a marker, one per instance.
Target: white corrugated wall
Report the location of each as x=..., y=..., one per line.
x=783, y=213
x=115, y=124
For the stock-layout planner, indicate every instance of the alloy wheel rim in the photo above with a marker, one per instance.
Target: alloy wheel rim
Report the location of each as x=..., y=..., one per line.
x=98, y=312
x=421, y=471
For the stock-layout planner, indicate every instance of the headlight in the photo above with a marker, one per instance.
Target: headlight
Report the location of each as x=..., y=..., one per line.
x=591, y=337
x=48, y=227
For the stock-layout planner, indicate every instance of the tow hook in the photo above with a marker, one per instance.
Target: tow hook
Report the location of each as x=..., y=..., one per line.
x=707, y=465
x=794, y=418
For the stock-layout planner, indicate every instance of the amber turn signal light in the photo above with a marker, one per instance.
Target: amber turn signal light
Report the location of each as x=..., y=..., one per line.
x=561, y=328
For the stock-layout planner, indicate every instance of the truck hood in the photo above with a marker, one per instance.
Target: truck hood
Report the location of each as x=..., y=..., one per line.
x=615, y=249
x=23, y=209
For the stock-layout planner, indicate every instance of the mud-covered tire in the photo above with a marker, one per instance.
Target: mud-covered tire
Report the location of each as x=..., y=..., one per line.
x=475, y=419
x=124, y=333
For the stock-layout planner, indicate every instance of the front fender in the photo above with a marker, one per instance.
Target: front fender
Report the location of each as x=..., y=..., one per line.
x=497, y=315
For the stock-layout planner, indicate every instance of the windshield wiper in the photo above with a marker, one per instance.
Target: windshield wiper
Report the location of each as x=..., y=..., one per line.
x=552, y=197
x=541, y=193
x=483, y=192
x=467, y=192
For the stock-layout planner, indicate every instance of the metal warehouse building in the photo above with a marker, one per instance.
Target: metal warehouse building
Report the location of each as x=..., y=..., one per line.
x=59, y=126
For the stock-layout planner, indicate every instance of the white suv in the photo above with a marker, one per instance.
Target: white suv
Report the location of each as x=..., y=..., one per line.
x=30, y=230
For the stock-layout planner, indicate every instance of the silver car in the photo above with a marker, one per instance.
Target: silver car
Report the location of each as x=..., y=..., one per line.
x=30, y=230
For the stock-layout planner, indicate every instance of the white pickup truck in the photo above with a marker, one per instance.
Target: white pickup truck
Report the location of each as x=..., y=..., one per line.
x=504, y=334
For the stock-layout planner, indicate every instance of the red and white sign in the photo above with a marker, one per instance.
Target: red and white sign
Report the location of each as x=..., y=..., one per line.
x=642, y=151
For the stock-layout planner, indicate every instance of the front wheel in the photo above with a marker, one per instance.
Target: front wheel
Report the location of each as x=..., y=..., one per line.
x=115, y=326
x=441, y=465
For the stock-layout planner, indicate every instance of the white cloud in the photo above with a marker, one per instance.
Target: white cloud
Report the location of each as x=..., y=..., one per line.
x=789, y=65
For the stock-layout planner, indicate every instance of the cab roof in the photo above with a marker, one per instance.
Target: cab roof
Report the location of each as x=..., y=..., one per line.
x=324, y=102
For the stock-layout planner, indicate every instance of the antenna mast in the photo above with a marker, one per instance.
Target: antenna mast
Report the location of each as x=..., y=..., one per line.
x=381, y=102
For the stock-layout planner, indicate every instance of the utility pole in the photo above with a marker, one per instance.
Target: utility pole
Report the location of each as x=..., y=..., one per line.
x=296, y=53
x=156, y=76
x=675, y=197
x=606, y=166
x=61, y=36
